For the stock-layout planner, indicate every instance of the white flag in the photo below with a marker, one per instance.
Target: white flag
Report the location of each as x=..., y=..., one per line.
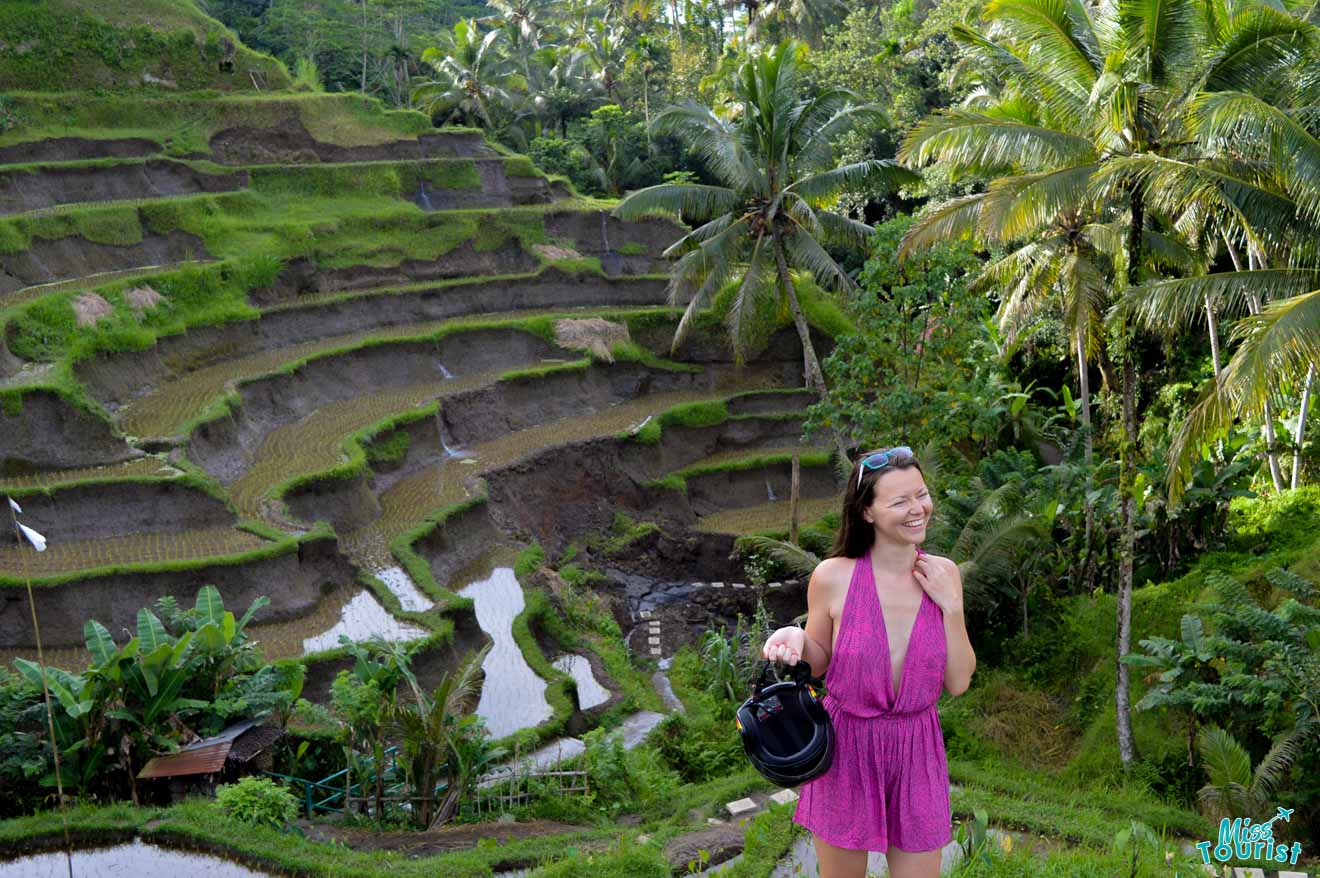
x=14, y=506
x=37, y=540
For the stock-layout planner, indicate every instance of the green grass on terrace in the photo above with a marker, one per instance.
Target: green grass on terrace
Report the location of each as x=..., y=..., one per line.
x=184, y=124
x=79, y=44
x=677, y=480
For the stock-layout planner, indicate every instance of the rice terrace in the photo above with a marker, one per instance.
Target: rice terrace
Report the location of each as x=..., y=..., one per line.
x=417, y=416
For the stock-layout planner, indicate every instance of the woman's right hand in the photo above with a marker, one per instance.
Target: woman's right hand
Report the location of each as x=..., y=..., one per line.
x=785, y=645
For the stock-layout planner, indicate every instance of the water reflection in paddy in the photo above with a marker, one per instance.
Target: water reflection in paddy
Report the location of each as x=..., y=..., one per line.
x=513, y=696
x=138, y=859
x=590, y=692
x=361, y=619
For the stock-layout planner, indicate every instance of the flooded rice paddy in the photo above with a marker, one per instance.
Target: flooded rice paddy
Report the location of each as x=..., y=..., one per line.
x=363, y=618
x=590, y=692
x=137, y=859
x=514, y=696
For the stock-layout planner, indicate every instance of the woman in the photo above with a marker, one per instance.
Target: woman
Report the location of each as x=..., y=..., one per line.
x=885, y=627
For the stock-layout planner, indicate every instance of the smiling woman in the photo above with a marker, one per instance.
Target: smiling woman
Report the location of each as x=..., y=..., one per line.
x=888, y=788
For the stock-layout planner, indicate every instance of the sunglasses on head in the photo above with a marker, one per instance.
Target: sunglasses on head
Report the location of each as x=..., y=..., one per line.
x=882, y=459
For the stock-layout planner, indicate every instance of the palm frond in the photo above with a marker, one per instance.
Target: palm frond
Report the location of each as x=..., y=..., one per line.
x=1279, y=759
x=1246, y=120
x=870, y=176
x=1058, y=33
x=712, y=138
x=1064, y=102
x=795, y=558
x=955, y=219
x=844, y=231
x=1018, y=207
x=969, y=142
x=689, y=201
x=1178, y=301
x=805, y=253
x=749, y=298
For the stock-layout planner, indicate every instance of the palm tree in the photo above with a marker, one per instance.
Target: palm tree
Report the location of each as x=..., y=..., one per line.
x=644, y=55
x=521, y=20
x=805, y=19
x=442, y=739
x=1089, y=92
x=1233, y=788
x=563, y=89
x=604, y=44
x=471, y=77
x=777, y=173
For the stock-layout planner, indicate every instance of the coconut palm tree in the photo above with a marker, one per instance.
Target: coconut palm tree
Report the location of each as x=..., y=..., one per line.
x=768, y=213
x=804, y=19
x=442, y=739
x=604, y=44
x=471, y=76
x=1088, y=93
x=522, y=20
x=562, y=87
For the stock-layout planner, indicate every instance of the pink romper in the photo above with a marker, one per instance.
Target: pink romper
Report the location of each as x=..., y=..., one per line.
x=889, y=781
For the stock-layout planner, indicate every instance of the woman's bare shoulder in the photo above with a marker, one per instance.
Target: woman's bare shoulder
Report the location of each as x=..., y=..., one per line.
x=833, y=572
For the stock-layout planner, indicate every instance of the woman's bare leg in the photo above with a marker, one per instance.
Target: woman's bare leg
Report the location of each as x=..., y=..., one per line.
x=913, y=864
x=839, y=862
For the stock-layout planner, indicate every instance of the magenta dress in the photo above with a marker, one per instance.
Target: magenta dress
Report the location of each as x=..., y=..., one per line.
x=889, y=780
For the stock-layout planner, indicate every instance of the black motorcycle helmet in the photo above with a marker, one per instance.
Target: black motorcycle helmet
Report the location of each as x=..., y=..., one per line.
x=786, y=731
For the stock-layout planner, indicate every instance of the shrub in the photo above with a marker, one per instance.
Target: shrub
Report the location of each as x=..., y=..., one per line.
x=258, y=801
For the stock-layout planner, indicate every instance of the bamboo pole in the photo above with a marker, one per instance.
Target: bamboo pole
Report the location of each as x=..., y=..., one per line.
x=794, y=492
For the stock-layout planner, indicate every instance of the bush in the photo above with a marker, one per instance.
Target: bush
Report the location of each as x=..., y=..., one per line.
x=258, y=801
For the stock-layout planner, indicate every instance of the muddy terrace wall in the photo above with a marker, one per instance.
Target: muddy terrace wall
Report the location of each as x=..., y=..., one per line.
x=506, y=406
x=50, y=260
x=289, y=142
x=223, y=447
x=74, y=149
x=711, y=492
x=458, y=541
x=592, y=231
x=302, y=277
x=46, y=431
x=498, y=189
x=565, y=491
x=295, y=583
x=123, y=508
x=31, y=190
x=115, y=379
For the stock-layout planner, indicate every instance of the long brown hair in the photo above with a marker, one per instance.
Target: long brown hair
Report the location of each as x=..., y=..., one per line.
x=856, y=536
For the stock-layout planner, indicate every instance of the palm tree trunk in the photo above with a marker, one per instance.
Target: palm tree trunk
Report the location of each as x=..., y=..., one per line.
x=811, y=366
x=1084, y=389
x=1255, y=262
x=1126, y=493
x=364, y=46
x=1301, y=428
x=678, y=31
x=1213, y=327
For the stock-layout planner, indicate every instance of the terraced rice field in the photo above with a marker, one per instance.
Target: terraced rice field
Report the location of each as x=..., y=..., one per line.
x=278, y=640
x=316, y=443
x=453, y=480
x=767, y=516
x=362, y=618
x=65, y=555
x=27, y=294
x=755, y=451
x=138, y=470
x=164, y=411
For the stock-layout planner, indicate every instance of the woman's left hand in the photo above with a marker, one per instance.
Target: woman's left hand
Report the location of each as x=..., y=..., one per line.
x=942, y=580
